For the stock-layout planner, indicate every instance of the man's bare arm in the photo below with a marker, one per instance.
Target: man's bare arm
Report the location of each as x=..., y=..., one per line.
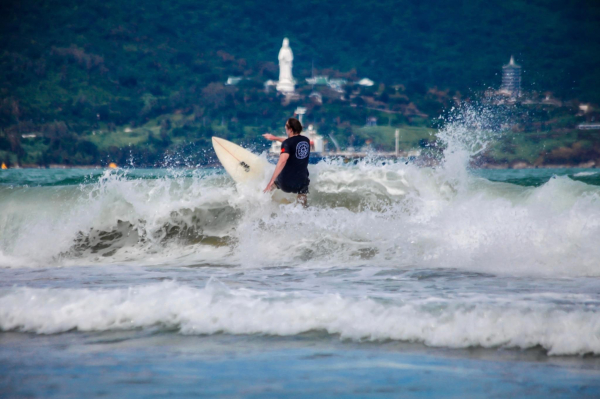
x=280, y=164
x=269, y=136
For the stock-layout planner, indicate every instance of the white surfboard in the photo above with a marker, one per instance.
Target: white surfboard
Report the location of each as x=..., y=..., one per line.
x=242, y=165
x=247, y=168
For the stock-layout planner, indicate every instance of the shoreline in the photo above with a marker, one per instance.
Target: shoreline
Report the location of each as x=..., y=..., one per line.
x=514, y=165
x=421, y=160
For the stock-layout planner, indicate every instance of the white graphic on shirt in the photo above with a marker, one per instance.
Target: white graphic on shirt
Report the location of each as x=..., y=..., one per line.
x=302, y=150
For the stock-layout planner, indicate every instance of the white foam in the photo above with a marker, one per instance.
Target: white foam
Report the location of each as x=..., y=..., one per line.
x=391, y=214
x=215, y=309
x=40, y=226
x=582, y=174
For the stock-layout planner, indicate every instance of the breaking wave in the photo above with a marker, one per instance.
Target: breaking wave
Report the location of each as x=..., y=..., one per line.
x=169, y=306
x=389, y=213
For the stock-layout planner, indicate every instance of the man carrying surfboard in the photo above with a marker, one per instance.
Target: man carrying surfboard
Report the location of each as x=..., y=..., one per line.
x=291, y=172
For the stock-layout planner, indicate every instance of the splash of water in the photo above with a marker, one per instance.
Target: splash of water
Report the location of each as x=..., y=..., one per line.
x=468, y=130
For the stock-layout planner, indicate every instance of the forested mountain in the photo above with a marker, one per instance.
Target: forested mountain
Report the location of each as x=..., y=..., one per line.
x=68, y=67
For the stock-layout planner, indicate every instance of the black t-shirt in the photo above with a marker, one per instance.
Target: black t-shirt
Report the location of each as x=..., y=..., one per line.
x=295, y=171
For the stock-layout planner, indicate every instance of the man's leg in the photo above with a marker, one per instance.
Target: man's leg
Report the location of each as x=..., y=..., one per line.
x=302, y=200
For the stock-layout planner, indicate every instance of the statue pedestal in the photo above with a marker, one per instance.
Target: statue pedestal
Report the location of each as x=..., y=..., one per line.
x=285, y=86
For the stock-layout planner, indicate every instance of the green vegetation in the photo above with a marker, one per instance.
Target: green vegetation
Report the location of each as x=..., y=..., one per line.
x=144, y=81
x=537, y=149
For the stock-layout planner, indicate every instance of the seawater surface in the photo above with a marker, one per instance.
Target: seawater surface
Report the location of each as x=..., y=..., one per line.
x=397, y=280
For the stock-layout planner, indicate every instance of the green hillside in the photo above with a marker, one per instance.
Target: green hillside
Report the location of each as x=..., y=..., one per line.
x=78, y=74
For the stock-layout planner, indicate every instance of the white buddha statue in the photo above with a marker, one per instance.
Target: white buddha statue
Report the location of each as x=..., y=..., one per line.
x=286, y=80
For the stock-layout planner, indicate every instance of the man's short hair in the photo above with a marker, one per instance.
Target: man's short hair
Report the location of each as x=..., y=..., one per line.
x=295, y=125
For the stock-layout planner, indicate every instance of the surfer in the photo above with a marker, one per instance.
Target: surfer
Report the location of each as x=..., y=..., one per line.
x=291, y=172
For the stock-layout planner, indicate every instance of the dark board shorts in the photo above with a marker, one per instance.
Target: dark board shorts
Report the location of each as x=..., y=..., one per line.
x=302, y=189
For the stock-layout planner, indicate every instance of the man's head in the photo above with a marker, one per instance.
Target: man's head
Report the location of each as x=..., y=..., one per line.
x=294, y=125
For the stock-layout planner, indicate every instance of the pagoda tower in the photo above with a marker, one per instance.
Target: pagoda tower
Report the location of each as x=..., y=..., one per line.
x=511, y=79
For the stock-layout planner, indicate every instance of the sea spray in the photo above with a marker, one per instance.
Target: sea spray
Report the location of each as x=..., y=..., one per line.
x=466, y=132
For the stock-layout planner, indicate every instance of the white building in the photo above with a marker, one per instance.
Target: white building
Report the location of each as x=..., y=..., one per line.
x=317, y=142
x=366, y=82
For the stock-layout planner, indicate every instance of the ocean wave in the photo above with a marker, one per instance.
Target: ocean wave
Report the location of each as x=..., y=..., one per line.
x=388, y=213
x=217, y=309
x=369, y=211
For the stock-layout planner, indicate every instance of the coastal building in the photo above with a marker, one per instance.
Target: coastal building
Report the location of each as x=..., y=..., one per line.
x=511, y=79
x=584, y=109
x=318, y=80
x=366, y=82
x=269, y=83
x=317, y=143
x=275, y=147
x=337, y=84
x=550, y=100
x=300, y=112
x=316, y=97
x=589, y=126
x=233, y=80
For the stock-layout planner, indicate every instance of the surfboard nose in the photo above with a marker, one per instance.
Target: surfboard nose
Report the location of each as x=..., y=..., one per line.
x=241, y=164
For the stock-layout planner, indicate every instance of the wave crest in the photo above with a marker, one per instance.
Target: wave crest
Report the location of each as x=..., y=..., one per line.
x=217, y=309
x=389, y=213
